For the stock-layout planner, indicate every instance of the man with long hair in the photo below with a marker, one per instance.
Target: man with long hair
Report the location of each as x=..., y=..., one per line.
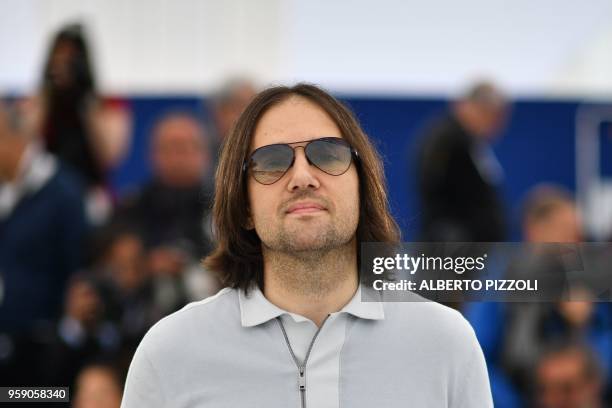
x=298, y=189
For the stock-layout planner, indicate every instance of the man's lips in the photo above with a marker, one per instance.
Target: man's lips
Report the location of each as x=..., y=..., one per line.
x=305, y=208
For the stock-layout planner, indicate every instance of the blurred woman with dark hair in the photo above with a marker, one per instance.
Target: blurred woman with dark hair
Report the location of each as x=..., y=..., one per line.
x=68, y=93
x=75, y=124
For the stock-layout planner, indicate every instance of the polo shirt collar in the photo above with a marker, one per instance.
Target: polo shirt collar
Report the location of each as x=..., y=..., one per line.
x=255, y=309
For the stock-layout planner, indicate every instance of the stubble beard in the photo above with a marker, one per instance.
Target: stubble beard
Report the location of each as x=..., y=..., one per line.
x=310, y=262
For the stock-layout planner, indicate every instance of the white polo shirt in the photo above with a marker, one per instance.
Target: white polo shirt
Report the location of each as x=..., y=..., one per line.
x=230, y=351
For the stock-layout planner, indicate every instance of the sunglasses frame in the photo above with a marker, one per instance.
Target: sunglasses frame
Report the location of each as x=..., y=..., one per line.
x=354, y=156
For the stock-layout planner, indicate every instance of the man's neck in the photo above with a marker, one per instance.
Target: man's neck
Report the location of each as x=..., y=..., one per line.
x=312, y=285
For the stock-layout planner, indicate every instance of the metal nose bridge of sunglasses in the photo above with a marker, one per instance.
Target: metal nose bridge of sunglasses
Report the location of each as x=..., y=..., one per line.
x=310, y=163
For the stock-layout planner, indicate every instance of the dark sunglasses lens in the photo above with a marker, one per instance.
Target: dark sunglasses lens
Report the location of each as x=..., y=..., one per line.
x=333, y=155
x=269, y=163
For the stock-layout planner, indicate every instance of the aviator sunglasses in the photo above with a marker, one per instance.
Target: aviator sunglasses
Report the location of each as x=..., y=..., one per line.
x=268, y=164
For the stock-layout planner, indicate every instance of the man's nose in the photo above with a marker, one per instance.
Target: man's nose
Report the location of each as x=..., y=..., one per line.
x=302, y=173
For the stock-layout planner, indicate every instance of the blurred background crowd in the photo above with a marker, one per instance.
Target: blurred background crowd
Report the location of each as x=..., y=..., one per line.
x=105, y=216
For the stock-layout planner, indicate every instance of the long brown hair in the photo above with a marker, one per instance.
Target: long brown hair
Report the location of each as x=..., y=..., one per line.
x=237, y=258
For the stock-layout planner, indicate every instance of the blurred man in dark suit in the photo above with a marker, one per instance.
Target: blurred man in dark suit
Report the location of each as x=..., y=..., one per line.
x=42, y=225
x=171, y=212
x=458, y=173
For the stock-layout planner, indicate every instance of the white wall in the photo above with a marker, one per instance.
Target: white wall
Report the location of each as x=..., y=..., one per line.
x=544, y=47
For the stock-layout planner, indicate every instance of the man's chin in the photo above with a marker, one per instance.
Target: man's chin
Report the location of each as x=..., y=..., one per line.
x=312, y=241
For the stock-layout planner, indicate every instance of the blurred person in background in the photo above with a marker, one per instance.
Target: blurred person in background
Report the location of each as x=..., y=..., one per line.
x=98, y=386
x=532, y=327
x=225, y=106
x=568, y=376
x=513, y=335
x=75, y=124
x=124, y=283
x=172, y=212
x=458, y=173
x=82, y=335
x=550, y=215
x=42, y=224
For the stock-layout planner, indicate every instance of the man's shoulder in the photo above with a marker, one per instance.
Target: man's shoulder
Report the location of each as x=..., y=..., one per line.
x=136, y=197
x=441, y=140
x=195, y=319
x=445, y=132
x=430, y=319
x=64, y=182
x=210, y=309
x=222, y=298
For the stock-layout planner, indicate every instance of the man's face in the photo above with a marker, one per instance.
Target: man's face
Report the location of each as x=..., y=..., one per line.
x=179, y=153
x=562, y=225
x=492, y=120
x=562, y=383
x=97, y=389
x=307, y=209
